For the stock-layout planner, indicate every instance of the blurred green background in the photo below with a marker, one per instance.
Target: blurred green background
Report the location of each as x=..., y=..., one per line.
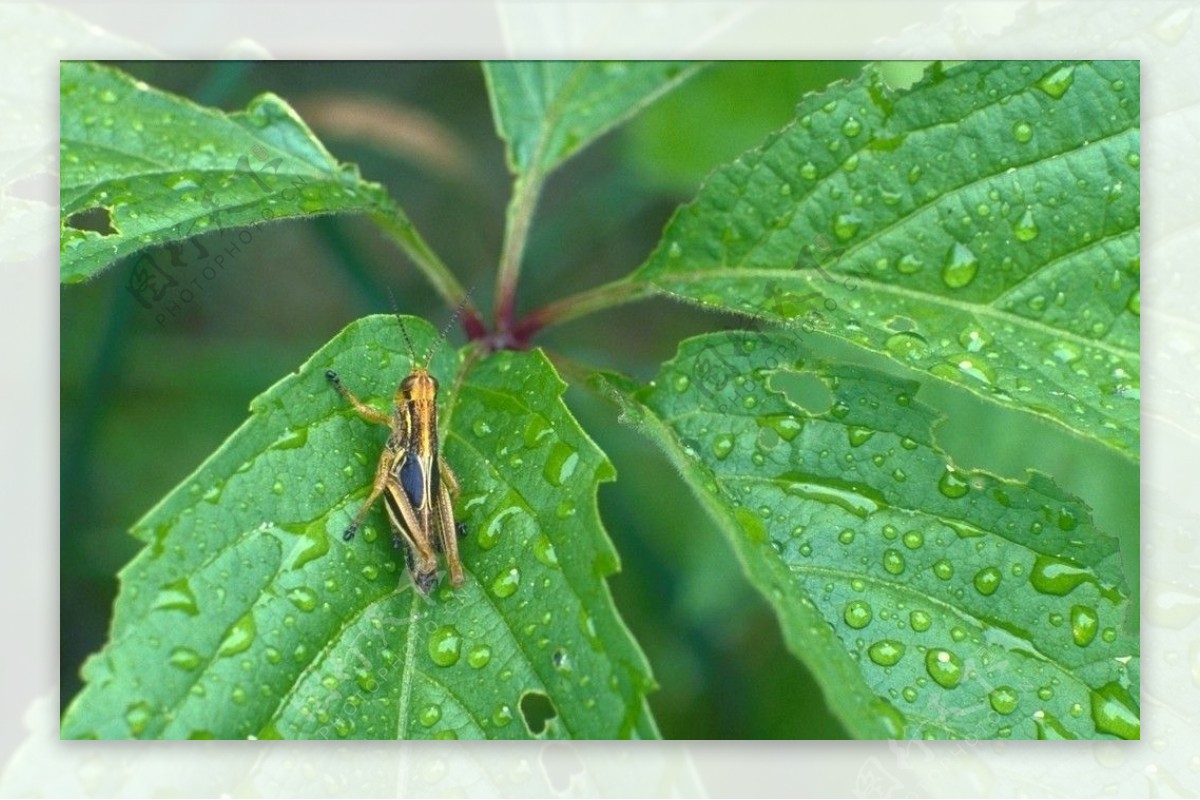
x=147, y=394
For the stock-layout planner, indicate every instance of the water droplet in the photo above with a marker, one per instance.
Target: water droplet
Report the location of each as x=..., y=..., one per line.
x=674, y=251
x=1003, y=699
x=1135, y=303
x=1022, y=132
x=907, y=345
x=1026, y=229
x=851, y=127
x=543, y=550
x=944, y=667
x=430, y=715
x=681, y=383
x=1056, y=82
x=561, y=463
x=303, y=598
x=886, y=652
x=908, y=443
x=959, y=267
x=723, y=446
x=920, y=621
x=1115, y=712
x=445, y=645
x=845, y=226
x=1055, y=576
x=313, y=543
x=974, y=339
x=502, y=716
x=138, y=716
x=786, y=427
x=1084, y=624
x=859, y=435
x=177, y=596
x=490, y=534
x=185, y=658
x=479, y=656
x=857, y=614
x=987, y=580
x=480, y=428
x=913, y=539
x=808, y=171
x=943, y=569
x=507, y=583
x=1049, y=727
x=277, y=487
x=909, y=264
x=893, y=561
x=846, y=536
x=239, y=637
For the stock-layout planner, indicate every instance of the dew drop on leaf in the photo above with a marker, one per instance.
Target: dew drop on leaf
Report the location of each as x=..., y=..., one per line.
x=1003, y=699
x=944, y=667
x=987, y=580
x=857, y=614
x=1084, y=624
x=1026, y=229
x=959, y=267
x=445, y=646
x=886, y=652
x=507, y=583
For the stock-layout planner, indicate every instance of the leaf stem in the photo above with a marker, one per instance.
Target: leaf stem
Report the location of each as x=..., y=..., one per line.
x=618, y=292
x=399, y=228
x=526, y=191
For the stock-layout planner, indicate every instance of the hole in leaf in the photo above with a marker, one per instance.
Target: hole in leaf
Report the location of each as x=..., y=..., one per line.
x=537, y=711
x=805, y=390
x=98, y=219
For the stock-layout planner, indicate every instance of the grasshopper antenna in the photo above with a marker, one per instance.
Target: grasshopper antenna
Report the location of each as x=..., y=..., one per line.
x=412, y=353
x=449, y=323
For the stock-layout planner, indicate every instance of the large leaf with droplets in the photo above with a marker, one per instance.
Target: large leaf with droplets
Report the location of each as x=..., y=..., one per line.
x=981, y=227
x=247, y=615
x=548, y=111
x=928, y=601
x=142, y=167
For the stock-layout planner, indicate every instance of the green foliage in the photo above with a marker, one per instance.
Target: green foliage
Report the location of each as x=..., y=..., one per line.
x=894, y=574
x=142, y=167
x=548, y=111
x=980, y=229
x=246, y=614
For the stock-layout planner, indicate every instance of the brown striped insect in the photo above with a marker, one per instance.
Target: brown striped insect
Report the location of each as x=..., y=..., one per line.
x=417, y=485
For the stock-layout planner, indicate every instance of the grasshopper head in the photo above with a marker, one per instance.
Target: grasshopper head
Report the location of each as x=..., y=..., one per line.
x=418, y=386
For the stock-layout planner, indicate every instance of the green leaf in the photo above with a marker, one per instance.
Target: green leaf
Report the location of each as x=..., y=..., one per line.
x=928, y=601
x=247, y=615
x=548, y=111
x=982, y=227
x=142, y=167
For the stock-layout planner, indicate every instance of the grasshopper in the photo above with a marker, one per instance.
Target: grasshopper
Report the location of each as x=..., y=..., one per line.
x=417, y=485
